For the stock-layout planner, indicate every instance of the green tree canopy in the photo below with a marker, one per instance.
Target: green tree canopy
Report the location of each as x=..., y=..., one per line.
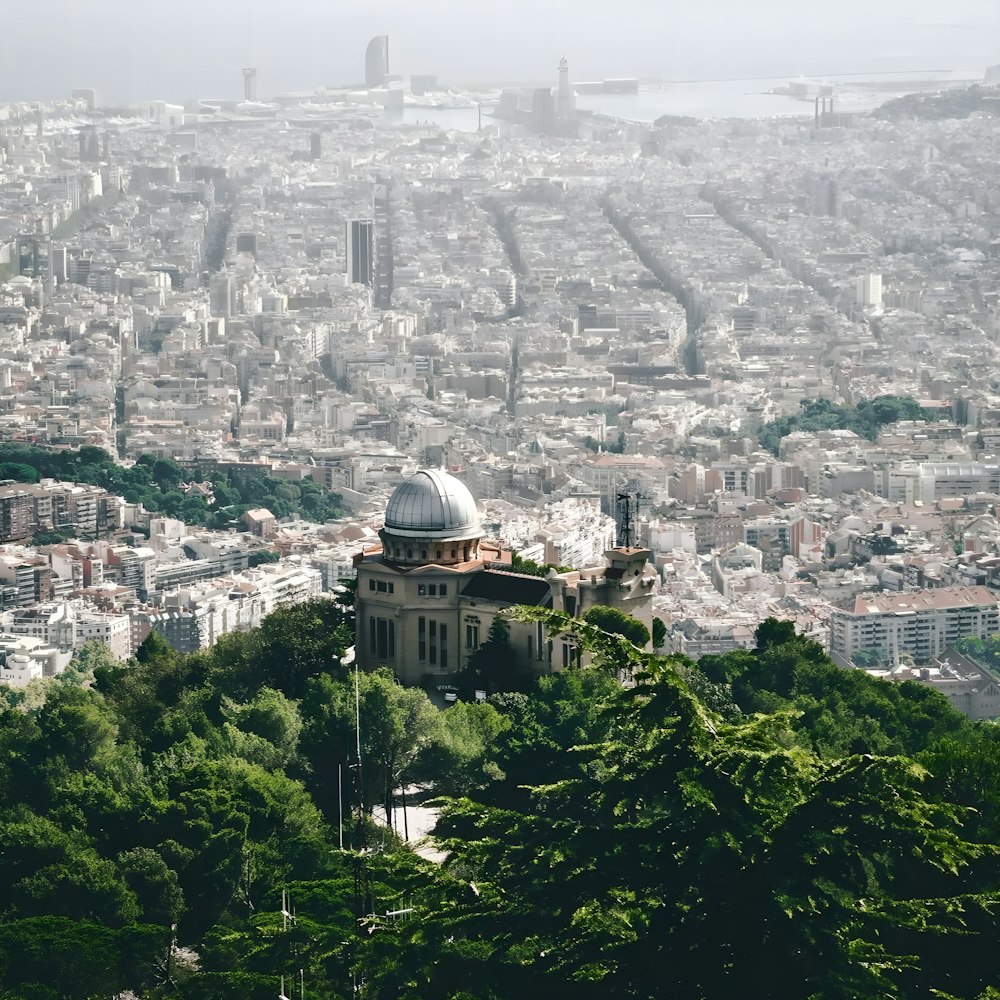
x=865, y=419
x=155, y=482
x=686, y=834
x=618, y=622
x=495, y=665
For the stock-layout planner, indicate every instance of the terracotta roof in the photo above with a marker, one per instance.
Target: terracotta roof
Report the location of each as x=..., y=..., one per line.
x=923, y=600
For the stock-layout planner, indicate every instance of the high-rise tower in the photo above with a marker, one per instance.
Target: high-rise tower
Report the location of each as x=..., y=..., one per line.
x=249, y=84
x=565, y=105
x=384, y=282
x=377, y=62
x=360, y=251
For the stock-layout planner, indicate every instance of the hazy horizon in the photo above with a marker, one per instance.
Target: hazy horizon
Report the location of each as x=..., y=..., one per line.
x=196, y=48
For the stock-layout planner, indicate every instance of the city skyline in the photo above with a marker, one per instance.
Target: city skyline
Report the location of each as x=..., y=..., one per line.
x=130, y=53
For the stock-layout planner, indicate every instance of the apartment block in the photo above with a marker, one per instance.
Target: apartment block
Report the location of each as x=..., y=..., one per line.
x=922, y=624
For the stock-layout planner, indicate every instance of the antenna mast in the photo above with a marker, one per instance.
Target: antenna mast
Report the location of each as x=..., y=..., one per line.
x=628, y=513
x=362, y=889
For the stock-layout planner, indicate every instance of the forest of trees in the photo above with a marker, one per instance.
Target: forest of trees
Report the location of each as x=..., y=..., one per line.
x=760, y=824
x=865, y=419
x=154, y=483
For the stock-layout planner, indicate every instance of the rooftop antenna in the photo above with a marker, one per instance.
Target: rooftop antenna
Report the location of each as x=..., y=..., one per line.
x=628, y=512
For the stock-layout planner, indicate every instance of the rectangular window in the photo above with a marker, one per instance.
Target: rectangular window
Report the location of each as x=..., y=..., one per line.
x=422, y=640
x=382, y=634
x=443, y=589
x=421, y=590
x=539, y=639
x=385, y=587
x=444, y=646
x=433, y=651
x=471, y=636
x=371, y=584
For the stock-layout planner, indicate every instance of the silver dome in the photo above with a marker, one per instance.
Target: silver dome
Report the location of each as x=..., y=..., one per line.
x=432, y=504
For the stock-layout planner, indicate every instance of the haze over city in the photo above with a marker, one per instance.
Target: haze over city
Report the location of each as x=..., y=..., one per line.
x=132, y=51
x=499, y=500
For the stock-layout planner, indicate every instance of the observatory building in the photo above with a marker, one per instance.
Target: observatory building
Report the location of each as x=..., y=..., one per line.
x=426, y=598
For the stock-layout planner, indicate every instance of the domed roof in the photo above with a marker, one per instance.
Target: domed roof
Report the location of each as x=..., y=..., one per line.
x=432, y=504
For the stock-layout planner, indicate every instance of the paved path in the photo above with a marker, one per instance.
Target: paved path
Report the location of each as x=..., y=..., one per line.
x=417, y=827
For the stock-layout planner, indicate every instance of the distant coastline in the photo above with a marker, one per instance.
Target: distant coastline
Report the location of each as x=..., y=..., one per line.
x=746, y=98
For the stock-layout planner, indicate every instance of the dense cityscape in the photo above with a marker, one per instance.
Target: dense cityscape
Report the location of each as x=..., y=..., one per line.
x=560, y=308
x=301, y=383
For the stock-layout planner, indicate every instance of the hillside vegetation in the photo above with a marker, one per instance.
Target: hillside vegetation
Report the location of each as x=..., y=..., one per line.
x=154, y=482
x=760, y=825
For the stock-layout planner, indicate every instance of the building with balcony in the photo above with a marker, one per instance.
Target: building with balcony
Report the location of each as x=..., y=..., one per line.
x=921, y=624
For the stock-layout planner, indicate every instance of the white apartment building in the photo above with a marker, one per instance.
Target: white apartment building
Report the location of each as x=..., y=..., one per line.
x=922, y=623
x=67, y=626
x=940, y=480
x=196, y=617
x=23, y=659
x=929, y=481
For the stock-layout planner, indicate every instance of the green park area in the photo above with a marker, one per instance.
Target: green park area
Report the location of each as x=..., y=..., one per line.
x=760, y=824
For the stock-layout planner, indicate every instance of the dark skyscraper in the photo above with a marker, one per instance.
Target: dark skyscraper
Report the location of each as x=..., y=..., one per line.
x=377, y=62
x=359, y=251
x=246, y=243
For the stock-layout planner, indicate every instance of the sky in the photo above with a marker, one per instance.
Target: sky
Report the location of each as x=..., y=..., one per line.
x=131, y=50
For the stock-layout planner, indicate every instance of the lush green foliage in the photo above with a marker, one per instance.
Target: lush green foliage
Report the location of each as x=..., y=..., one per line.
x=659, y=633
x=190, y=790
x=154, y=483
x=674, y=853
x=984, y=651
x=865, y=419
x=531, y=568
x=759, y=824
x=495, y=666
x=618, y=623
